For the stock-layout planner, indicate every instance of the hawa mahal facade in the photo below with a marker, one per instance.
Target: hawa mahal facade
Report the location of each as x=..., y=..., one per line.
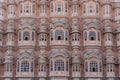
x=59, y=39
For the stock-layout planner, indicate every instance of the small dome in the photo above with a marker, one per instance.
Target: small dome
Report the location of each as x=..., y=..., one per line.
x=108, y=29
x=42, y=58
x=8, y=59
x=75, y=25
x=109, y=56
x=10, y=28
x=118, y=28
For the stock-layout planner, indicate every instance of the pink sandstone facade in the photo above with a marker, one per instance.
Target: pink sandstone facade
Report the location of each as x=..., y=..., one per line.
x=59, y=39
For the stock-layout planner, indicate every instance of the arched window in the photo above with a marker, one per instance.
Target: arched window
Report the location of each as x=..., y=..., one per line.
x=27, y=8
x=91, y=8
x=26, y=36
x=8, y=67
x=67, y=65
x=66, y=35
x=106, y=10
x=93, y=66
x=51, y=34
x=59, y=7
x=51, y=7
x=33, y=36
x=19, y=36
x=85, y=35
x=59, y=35
x=86, y=66
x=42, y=67
x=59, y=65
x=84, y=8
x=98, y=36
x=51, y=66
x=66, y=7
x=25, y=66
x=76, y=67
x=0, y=37
x=118, y=37
x=18, y=66
x=100, y=66
x=32, y=66
x=92, y=35
x=110, y=68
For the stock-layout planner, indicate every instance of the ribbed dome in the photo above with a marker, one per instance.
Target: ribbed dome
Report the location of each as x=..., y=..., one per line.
x=75, y=26
x=118, y=28
x=10, y=28
x=42, y=58
x=8, y=59
x=109, y=56
x=108, y=29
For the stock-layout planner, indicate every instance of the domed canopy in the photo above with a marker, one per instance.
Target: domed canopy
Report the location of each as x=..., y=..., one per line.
x=59, y=52
x=109, y=56
x=42, y=58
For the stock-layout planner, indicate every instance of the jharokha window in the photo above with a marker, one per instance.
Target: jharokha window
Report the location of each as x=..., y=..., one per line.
x=59, y=65
x=92, y=35
x=26, y=36
x=27, y=8
x=93, y=66
x=59, y=35
x=25, y=66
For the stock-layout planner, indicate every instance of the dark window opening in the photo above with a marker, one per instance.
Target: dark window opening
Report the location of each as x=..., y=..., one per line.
x=27, y=11
x=59, y=69
x=66, y=38
x=26, y=38
x=91, y=11
x=51, y=38
x=59, y=37
x=93, y=69
x=59, y=9
x=92, y=38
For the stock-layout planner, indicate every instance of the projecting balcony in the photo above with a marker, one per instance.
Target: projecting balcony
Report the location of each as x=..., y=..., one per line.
x=117, y=18
x=42, y=74
x=24, y=74
x=59, y=73
x=10, y=43
x=90, y=15
x=11, y=15
x=2, y=18
x=26, y=43
x=43, y=15
x=106, y=17
x=59, y=42
x=116, y=5
x=58, y=14
x=0, y=43
x=92, y=43
x=11, y=2
x=75, y=43
x=42, y=43
x=76, y=74
x=118, y=43
x=93, y=74
x=8, y=74
x=74, y=15
x=110, y=74
x=108, y=43
x=106, y=2
x=27, y=15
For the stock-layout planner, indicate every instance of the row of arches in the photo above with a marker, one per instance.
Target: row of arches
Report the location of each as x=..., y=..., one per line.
x=60, y=34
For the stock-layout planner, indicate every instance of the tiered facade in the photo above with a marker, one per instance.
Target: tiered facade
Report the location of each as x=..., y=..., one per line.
x=59, y=39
